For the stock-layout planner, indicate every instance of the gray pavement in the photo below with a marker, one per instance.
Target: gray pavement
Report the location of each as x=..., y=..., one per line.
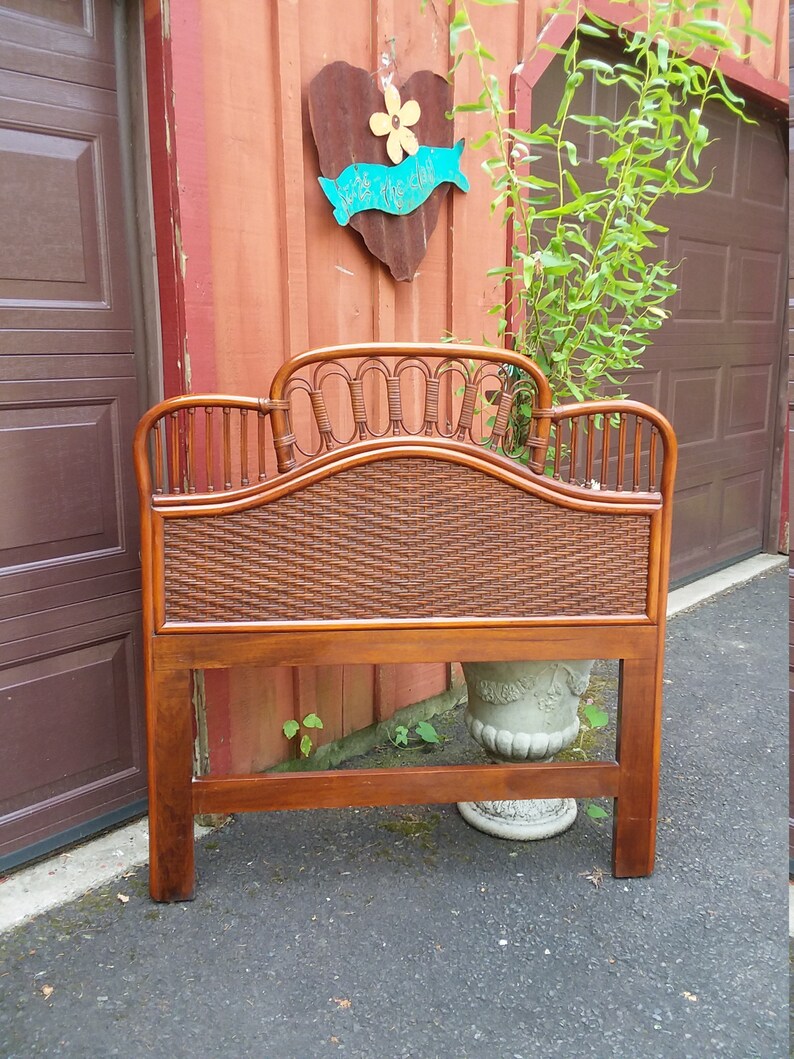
x=403, y=933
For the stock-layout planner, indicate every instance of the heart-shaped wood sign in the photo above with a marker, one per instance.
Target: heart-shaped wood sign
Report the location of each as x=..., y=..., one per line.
x=342, y=98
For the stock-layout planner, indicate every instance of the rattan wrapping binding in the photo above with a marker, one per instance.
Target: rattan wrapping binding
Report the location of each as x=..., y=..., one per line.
x=404, y=538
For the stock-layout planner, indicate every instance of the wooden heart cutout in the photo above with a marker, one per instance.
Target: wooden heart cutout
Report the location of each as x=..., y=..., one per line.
x=341, y=99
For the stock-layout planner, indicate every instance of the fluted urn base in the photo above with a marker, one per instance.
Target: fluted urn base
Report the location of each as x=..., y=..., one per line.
x=521, y=821
x=523, y=711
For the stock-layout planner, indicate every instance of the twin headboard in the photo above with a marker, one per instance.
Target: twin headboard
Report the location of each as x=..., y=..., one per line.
x=401, y=504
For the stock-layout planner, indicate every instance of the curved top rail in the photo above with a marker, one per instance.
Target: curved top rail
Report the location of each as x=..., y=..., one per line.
x=481, y=388
x=437, y=350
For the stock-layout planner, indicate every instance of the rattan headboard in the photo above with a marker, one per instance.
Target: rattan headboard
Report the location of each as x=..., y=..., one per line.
x=401, y=504
x=332, y=517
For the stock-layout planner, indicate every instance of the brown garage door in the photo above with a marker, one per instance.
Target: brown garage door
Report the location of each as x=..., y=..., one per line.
x=714, y=368
x=71, y=749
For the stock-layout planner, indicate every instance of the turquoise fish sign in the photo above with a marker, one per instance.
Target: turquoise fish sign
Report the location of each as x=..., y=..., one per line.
x=398, y=189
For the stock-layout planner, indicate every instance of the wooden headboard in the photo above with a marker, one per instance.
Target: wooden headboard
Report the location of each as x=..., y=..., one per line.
x=348, y=517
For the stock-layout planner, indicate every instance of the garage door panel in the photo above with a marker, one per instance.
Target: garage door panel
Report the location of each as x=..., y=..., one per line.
x=61, y=217
x=702, y=279
x=17, y=628
x=763, y=175
x=82, y=680
x=67, y=479
x=86, y=756
x=727, y=175
x=749, y=408
x=758, y=286
x=691, y=404
x=646, y=386
x=742, y=497
x=696, y=505
x=78, y=32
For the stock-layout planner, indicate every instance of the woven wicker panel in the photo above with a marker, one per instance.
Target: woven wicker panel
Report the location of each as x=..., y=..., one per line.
x=404, y=538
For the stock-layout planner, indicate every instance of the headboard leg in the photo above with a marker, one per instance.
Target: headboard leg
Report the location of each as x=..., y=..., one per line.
x=638, y=749
x=171, y=855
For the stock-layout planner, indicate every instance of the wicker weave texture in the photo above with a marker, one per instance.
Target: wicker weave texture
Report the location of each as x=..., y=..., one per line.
x=400, y=539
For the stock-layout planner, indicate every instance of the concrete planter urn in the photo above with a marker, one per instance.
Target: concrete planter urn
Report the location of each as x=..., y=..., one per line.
x=524, y=711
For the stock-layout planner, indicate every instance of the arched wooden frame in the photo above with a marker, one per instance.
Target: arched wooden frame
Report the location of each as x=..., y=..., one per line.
x=229, y=581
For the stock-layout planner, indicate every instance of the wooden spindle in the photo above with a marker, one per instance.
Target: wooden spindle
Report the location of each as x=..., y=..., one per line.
x=605, y=443
x=227, y=448
x=244, y=480
x=191, y=449
x=467, y=410
x=573, y=427
x=588, y=471
x=502, y=415
x=358, y=405
x=652, y=460
x=395, y=403
x=557, y=451
x=175, y=484
x=261, y=420
x=321, y=418
x=432, y=389
x=621, y=450
x=637, y=454
x=209, y=439
x=158, y=456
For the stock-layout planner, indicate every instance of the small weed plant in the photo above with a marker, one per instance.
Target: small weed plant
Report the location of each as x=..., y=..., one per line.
x=424, y=735
x=292, y=728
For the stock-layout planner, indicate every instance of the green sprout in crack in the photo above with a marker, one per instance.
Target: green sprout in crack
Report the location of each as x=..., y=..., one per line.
x=292, y=727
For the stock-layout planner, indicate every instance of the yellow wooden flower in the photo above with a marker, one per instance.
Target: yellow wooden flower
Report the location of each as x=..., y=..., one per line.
x=395, y=124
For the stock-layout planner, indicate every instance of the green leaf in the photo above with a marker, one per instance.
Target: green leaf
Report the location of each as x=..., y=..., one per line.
x=470, y=108
x=596, y=718
x=306, y=745
x=427, y=732
x=400, y=736
x=591, y=31
x=311, y=720
x=596, y=812
x=290, y=729
x=481, y=141
x=458, y=25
